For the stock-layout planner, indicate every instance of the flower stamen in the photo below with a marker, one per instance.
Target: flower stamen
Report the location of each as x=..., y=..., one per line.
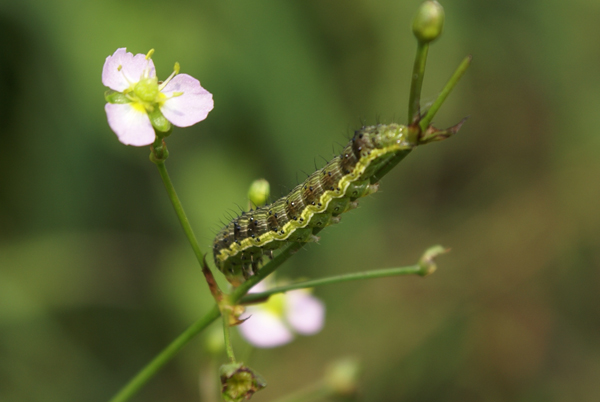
x=173, y=74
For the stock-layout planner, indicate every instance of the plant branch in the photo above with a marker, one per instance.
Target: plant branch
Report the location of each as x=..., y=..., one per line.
x=416, y=82
x=185, y=223
x=424, y=267
x=460, y=71
x=144, y=375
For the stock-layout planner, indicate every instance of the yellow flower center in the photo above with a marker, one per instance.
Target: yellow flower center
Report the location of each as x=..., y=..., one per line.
x=276, y=304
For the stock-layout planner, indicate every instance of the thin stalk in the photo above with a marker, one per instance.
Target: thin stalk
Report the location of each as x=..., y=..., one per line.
x=147, y=372
x=426, y=120
x=377, y=273
x=226, y=334
x=460, y=71
x=265, y=271
x=414, y=100
x=144, y=375
x=185, y=223
x=389, y=166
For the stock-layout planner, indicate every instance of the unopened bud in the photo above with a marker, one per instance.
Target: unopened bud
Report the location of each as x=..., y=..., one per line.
x=259, y=192
x=428, y=22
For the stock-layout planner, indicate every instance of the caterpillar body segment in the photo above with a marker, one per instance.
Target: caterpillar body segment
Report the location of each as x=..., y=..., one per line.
x=240, y=246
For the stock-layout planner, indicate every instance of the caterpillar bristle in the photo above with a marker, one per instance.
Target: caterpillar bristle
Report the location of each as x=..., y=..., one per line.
x=315, y=203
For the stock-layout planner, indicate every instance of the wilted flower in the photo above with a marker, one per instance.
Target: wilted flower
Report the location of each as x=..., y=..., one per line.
x=274, y=323
x=138, y=103
x=239, y=383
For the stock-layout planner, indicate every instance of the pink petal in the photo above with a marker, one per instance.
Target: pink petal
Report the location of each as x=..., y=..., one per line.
x=264, y=330
x=131, y=125
x=304, y=312
x=132, y=68
x=190, y=107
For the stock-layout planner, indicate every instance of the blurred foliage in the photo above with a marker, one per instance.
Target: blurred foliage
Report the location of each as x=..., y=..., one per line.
x=96, y=276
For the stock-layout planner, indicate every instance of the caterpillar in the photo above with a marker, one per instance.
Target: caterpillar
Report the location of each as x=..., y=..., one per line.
x=240, y=246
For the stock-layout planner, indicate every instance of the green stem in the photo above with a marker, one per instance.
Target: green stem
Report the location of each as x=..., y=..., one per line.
x=226, y=334
x=389, y=166
x=142, y=377
x=460, y=71
x=146, y=373
x=414, y=101
x=415, y=96
x=265, y=271
x=377, y=273
x=185, y=223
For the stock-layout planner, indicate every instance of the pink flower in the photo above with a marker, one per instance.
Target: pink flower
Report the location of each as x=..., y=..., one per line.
x=140, y=104
x=274, y=323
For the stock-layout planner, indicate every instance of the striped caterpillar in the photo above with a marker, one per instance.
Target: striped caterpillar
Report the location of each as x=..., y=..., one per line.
x=240, y=246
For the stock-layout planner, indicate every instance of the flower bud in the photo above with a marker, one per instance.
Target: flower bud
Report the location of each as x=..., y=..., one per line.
x=259, y=192
x=428, y=22
x=239, y=383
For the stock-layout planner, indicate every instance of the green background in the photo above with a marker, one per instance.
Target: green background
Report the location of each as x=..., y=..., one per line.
x=96, y=276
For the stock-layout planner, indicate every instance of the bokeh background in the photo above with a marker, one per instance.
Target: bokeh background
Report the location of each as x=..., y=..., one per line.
x=96, y=276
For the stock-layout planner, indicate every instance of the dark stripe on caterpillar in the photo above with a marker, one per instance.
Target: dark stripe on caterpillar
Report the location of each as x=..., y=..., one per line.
x=240, y=246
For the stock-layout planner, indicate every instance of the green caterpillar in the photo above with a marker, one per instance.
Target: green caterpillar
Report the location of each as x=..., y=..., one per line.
x=240, y=246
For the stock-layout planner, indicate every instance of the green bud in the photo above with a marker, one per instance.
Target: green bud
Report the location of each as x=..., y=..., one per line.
x=115, y=97
x=342, y=376
x=239, y=383
x=428, y=22
x=159, y=122
x=259, y=192
x=147, y=89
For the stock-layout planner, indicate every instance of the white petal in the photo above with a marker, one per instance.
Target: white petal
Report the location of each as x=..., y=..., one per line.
x=304, y=312
x=131, y=125
x=123, y=69
x=259, y=287
x=190, y=107
x=264, y=330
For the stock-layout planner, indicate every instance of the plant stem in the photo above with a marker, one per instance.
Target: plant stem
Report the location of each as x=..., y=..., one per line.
x=144, y=375
x=460, y=71
x=377, y=273
x=415, y=96
x=185, y=223
x=265, y=271
x=414, y=101
x=226, y=334
x=389, y=166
